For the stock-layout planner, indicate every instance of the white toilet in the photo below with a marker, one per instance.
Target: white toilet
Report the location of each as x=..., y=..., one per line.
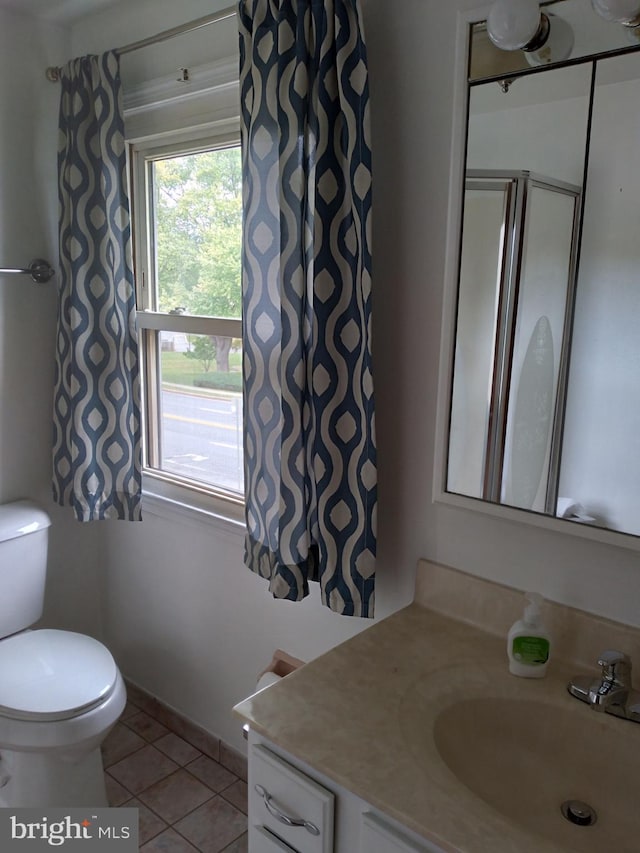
x=60, y=692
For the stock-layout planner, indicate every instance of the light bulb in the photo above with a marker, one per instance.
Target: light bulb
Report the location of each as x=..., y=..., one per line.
x=618, y=11
x=512, y=24
x=558, y=45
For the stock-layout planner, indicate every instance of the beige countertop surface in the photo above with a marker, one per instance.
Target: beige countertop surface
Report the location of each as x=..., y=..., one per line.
x=364, y=715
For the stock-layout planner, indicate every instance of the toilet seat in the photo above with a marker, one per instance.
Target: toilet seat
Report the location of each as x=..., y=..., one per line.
x=48, y=675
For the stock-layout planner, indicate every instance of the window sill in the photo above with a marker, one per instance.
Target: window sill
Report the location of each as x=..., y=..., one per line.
x=181, y=505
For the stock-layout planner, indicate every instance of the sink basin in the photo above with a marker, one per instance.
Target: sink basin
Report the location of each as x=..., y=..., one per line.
x=524, y=757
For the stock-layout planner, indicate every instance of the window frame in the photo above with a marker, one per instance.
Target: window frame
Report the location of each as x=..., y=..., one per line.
x=161, y=488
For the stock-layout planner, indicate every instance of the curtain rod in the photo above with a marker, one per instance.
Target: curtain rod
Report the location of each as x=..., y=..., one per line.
x=53, y=73
x=39, y=270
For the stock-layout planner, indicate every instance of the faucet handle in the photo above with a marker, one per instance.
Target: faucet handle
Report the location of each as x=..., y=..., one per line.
x=616, y=666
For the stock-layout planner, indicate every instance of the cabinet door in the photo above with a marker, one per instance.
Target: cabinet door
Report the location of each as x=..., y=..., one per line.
x=379, y=837
x=280, y=796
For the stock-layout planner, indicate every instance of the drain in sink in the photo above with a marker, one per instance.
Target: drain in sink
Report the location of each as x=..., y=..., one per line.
x=579, y=813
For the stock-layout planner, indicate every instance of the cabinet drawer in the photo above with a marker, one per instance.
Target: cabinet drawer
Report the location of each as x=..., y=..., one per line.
x=278, y=791
x=265, y=842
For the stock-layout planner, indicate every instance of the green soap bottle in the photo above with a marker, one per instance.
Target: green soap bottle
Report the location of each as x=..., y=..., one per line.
x=529, y=642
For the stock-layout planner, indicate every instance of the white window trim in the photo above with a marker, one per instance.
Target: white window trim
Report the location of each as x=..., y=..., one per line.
x=207, y=104
x=192, y=324
x=173, y=502
x=212, y=77
x=163, y=498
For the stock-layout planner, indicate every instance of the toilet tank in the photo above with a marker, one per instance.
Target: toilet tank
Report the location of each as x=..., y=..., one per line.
x=24, y=532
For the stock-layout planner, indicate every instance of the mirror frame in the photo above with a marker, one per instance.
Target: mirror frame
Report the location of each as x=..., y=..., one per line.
x=440, y=495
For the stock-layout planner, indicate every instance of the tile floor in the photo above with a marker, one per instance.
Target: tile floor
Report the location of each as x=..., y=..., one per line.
x=189, y=788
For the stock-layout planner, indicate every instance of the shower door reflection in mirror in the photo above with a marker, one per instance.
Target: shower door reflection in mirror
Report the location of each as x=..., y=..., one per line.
x=522, y=202
x=517, y=279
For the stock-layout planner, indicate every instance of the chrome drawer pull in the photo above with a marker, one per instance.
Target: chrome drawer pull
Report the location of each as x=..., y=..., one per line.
x=281, y=816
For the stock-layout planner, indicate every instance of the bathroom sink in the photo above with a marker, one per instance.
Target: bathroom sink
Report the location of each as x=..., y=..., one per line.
x=525, y=757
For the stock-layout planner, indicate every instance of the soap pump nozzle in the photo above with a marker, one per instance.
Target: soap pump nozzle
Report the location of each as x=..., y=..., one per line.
x=533, y=608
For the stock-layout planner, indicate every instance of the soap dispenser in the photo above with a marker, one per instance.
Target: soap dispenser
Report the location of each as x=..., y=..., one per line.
x=528, y=642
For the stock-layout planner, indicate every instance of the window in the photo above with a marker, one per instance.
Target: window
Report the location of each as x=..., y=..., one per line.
x=187, y=211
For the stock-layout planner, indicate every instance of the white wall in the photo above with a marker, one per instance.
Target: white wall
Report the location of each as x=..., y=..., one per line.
x=28, y=225
x=184, y=617
x=27, y=230
x=538, y=138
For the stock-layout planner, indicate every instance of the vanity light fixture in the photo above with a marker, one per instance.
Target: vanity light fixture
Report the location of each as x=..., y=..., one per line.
x=520, y=25
x=625, y=12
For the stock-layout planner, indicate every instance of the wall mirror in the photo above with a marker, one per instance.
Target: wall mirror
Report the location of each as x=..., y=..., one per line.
x=543, y=391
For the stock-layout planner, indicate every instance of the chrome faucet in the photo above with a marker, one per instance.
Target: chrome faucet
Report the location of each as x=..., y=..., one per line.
x=612, y=692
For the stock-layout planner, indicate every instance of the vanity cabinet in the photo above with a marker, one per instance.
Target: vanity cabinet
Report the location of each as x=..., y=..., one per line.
x=334, y=820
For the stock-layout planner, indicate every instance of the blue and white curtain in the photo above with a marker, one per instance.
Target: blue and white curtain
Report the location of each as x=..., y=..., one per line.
x=310, y=459
x=96, y=445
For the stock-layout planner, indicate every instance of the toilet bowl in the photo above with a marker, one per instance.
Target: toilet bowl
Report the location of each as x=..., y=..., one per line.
x=60, y=692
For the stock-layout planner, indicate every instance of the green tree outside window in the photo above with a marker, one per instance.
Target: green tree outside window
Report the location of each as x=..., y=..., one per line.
x=198, y=215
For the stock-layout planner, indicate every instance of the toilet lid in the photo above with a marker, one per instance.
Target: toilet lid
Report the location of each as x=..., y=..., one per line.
x=53, y=675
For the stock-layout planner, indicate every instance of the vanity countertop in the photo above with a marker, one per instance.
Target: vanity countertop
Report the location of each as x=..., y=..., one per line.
x=363, y=715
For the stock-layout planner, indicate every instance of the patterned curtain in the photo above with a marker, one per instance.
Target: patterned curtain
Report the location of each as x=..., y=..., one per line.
x=310, y=460
x=96, y=447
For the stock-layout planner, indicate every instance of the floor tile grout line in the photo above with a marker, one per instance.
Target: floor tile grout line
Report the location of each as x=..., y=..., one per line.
x=171, y=731
x=134, y=711
x=154, y=742
x=228, y=847
x=193, y=844
x=186, y=814
x=128, y=755
x=159, y=737
x=211, y=790
x=184, y=767
x=195, y=808
x=174, y=827
x=161, y=718
x=191, y=773
x=172, y=824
